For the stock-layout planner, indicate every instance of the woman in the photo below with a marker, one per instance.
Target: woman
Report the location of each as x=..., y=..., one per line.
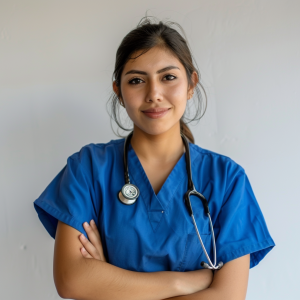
x=150, y=249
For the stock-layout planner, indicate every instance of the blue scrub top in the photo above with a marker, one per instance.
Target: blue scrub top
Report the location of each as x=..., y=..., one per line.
x=156, y=233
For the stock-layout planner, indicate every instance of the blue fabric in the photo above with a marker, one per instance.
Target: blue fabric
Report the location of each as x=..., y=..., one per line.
x=156, y=233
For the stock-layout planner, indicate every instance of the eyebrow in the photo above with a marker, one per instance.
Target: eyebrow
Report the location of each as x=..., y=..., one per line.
x=157, y=72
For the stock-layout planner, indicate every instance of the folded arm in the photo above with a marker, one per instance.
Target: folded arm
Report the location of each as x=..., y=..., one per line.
x=83, y=278
x=229, y=283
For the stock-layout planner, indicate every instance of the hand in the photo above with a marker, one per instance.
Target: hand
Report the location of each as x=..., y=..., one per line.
x=92, y=248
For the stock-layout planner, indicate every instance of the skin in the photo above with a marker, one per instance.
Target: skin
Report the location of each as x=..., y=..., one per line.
x=158, y=145
x=92, y=278
x=229, y=283
x=156, y=141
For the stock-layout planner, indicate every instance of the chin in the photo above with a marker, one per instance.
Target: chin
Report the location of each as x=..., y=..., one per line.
x=155, y=130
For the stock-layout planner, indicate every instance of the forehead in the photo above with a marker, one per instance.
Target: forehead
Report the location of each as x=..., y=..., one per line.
x=152, y=60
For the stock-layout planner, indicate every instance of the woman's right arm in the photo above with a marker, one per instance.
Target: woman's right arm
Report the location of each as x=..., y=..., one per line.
x=77, y=277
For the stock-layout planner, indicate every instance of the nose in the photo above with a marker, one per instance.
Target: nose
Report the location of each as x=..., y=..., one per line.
x=154, y=91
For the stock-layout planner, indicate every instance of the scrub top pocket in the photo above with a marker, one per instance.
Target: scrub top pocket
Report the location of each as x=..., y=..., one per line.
x=194, y=254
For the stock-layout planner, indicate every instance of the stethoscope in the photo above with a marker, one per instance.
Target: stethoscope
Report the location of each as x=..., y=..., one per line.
x=130, y=192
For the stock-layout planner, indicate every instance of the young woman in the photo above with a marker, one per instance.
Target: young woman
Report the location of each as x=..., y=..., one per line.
x=131, y=235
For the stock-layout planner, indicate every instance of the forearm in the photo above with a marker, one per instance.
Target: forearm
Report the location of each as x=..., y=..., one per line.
x=206, y=294
x=229, y=283
x=211, y=294
x=92, y=279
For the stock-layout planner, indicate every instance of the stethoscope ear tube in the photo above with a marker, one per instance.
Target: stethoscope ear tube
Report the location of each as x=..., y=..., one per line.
x=130, y=192
x=211, y=266
x=188, y=202
x=192, y=191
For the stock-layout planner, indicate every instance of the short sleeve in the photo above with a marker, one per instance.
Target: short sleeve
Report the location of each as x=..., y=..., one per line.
x=69, y=198
x=241, y=228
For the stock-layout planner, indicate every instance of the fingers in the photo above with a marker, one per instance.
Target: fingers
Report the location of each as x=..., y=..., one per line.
x=85, y=253
x=95, y=228
x=93, y=244
x=99, y=246
x=89, y=247
x=93, y=235
x=95, y=238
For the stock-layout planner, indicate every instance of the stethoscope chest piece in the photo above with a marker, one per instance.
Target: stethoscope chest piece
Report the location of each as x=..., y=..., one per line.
x=129, y=193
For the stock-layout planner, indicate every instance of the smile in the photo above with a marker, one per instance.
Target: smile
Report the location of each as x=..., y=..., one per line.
x=156, y=115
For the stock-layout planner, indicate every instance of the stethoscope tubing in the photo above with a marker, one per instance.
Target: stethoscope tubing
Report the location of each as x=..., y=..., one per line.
x=130, y=193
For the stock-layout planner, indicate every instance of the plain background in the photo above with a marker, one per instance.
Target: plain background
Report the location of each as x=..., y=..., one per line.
x=56, y=64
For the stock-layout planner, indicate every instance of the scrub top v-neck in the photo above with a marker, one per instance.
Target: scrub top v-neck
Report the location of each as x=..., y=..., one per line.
x=156, y=204
x=156, y=233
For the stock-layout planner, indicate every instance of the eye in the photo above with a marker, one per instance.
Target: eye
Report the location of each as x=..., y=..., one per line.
x=168, y=75
x=134, y=80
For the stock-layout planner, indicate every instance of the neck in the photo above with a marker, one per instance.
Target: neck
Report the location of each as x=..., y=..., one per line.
x=161, y=148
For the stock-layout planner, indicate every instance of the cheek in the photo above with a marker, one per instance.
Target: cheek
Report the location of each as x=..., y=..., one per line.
x=133, y=103
x=177, y=95
x=132, y=94
x=133, y=99
x=177, y=92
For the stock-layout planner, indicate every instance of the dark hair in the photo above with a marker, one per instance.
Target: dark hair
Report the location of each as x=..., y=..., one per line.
x=144, y=37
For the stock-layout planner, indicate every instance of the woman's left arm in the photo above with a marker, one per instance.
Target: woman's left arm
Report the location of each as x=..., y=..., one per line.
x=229, y=283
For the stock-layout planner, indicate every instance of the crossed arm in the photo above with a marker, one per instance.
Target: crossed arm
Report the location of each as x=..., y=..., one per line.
x=81, y=272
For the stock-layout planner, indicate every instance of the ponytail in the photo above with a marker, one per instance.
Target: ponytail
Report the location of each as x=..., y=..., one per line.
x=186, y=131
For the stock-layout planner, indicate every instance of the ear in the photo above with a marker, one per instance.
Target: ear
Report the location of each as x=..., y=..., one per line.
x=115, y=88
x=117, y=91
x=195, y=80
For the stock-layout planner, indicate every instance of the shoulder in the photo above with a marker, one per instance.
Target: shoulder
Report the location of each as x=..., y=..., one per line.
x=97, y=156
x=212, y=157
x=216, y=165
x=97, y=150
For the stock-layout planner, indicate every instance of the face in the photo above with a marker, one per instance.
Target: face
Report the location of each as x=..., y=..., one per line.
x=154, y=80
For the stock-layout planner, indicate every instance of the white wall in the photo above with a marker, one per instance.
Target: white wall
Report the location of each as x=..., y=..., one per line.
x=56, y=63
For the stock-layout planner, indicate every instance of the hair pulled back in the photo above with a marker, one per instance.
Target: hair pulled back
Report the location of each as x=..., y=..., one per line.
x=145, y=36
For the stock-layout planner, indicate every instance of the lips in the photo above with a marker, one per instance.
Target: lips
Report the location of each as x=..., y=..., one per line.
x=155, y=110
x=155, y=113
